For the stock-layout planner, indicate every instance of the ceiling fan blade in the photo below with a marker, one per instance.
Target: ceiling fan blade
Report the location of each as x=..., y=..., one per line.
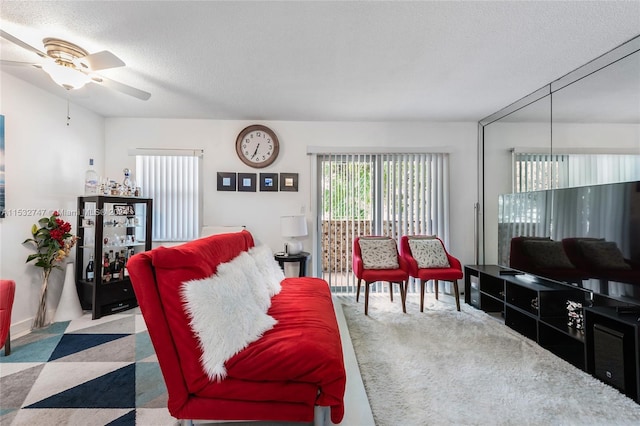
x=19, y=64
x=100, y=61
x=121, y=87
x=21, y=43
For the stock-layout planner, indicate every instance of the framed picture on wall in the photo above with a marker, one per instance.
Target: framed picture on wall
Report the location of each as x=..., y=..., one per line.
x=268, y=182
x=247, y=182
x=226, y=181
x=289, y=182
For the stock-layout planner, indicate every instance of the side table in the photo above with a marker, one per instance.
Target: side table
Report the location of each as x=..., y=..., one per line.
x=301, y=258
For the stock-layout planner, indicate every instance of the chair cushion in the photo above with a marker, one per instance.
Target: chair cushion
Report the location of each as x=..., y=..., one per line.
x=547, y=254
x=603, y=254
x=428, y=253
x=379, y=253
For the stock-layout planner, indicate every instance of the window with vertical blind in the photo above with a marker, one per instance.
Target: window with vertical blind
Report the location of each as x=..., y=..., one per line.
x=173, y=182
x=377, y=194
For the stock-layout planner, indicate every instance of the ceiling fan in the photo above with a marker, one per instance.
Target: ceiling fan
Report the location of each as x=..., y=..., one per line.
x=71, y=67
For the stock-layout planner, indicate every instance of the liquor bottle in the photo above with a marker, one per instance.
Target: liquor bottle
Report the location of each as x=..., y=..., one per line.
x=89, y=272
x=106, y=273
x=90, y=180
x=116, y=268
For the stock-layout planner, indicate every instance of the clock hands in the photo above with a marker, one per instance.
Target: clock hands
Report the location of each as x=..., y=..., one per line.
x=256, y=151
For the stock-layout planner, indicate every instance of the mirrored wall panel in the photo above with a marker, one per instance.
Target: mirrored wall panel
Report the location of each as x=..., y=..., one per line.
x=582, y=130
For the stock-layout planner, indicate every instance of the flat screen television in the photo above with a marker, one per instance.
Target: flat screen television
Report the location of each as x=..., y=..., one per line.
x=604, y=217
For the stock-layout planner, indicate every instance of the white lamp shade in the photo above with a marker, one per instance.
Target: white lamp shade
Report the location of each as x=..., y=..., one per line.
x=293, y=226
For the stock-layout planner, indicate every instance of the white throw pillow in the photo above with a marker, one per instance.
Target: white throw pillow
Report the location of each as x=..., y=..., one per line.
x=379, y=253
x=429, y=253
x=224, y=316
x=245, y=264
x=268, y=268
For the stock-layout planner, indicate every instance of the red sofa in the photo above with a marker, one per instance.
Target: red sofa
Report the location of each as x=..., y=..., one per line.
x=294, y=367
x=7, y=293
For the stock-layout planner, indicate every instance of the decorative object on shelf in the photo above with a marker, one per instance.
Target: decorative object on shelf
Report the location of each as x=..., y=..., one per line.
x=226, y=181
x=247, y=182
x=123, y=210
x=575, y=314
x=257, y=146
x=128, y=186
x=53, y=242
x=268, y=182
x=293, y=227
x=289, y=182
x=69, y=305
x=534, y=303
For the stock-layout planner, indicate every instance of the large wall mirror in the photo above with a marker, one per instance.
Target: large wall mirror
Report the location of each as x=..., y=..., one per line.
x=564, y=162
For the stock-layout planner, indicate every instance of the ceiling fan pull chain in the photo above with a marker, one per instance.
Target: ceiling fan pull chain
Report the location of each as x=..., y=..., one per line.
x=68, y=115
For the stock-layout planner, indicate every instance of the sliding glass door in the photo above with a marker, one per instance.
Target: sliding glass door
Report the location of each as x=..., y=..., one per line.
x=377, y=194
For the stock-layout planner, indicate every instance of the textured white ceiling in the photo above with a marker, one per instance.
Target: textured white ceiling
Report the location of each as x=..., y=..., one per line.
x=305, y=60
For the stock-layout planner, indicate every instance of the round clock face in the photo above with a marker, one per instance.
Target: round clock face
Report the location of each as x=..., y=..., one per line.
x=257, y=146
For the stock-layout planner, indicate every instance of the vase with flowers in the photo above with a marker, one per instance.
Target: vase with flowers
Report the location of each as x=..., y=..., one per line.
x=53, y=241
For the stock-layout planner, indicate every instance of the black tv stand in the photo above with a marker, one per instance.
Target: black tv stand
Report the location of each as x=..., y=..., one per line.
x=537, y=308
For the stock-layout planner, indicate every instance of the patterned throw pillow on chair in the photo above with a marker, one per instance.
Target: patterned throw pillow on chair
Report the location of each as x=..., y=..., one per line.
x=429, y=253
x=379, y=253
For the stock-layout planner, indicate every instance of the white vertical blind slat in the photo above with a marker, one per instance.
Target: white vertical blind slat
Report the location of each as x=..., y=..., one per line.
x=172, y=183
x=390, y=194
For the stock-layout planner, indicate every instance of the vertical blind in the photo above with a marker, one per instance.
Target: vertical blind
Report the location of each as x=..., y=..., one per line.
x=377, y=194
x=172, y=181
x=536, y=172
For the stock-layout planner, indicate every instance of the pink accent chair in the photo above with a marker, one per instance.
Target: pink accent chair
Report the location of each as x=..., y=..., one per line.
x=7, y=293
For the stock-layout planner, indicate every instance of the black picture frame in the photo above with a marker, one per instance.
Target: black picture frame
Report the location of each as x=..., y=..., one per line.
x=246, y=182
x=289, y=182
x=268, y=182
x=226, y=181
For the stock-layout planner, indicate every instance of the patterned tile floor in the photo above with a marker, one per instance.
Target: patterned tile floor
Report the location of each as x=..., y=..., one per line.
x=101, y=372
x=105, y=372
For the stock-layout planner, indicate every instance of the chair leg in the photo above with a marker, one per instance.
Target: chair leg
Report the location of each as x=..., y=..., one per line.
x=422, y=283
x=358, y=292
x=391, y=290
x=366, y=298
x=435, y=288
x=7, y=344
x=455, y=289
x=403, y=296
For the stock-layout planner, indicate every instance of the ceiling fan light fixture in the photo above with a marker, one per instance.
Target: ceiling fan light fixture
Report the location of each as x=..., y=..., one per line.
x=64, y=74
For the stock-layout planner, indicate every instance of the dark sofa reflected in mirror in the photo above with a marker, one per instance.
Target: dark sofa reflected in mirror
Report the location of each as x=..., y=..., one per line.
x=588, y=236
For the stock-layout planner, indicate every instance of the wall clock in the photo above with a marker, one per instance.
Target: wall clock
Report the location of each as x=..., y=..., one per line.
x=257, y=146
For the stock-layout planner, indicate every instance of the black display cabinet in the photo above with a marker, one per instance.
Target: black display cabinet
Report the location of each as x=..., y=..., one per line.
x=117, y=227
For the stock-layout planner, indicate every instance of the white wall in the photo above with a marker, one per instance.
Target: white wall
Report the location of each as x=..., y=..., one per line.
x=261, y=211
x=45, y=165
x=46, y=161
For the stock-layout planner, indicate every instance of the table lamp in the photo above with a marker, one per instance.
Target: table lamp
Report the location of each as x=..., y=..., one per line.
x=293, y=227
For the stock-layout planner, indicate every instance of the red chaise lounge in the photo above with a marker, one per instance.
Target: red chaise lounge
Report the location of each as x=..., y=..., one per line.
x=283, y=376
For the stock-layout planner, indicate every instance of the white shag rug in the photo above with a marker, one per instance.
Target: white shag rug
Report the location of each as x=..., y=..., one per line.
x=444, y=367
